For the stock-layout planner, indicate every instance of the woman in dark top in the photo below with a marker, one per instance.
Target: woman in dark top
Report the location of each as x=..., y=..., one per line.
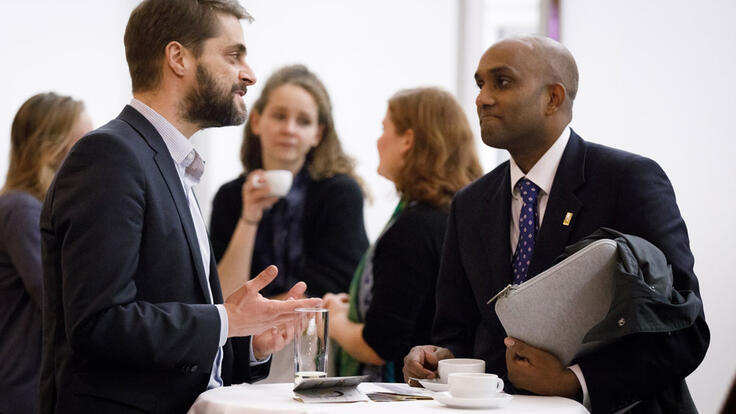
x=427, y=150
x=43, y=131
x=316, y=232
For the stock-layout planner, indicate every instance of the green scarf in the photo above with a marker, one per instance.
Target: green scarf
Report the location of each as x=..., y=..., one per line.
x=346, y=364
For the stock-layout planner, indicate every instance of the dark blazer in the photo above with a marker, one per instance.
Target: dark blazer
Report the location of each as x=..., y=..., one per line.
x=601, y=187
x=333, y=230
x=127, y=322
x=406, y=259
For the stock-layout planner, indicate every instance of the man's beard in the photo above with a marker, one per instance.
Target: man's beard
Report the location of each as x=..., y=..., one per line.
x=208, y=105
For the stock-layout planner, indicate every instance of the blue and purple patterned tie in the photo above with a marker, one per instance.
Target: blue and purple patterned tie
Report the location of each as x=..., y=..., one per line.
x=528, y=226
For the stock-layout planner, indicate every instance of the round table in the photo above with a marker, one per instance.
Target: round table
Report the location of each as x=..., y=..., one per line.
x=278, y=398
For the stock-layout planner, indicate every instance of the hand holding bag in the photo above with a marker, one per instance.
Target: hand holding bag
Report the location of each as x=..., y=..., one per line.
x=555, y=309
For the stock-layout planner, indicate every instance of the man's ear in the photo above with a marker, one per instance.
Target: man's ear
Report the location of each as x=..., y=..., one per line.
x=556, y=97
x=176, y=58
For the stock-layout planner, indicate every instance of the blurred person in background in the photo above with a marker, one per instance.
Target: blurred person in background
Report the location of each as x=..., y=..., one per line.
x=316, y=232
x=44, y=129
x=427, y=151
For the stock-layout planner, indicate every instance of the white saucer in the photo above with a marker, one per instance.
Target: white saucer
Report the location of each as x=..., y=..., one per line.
x=435, y=385
x=500, y=400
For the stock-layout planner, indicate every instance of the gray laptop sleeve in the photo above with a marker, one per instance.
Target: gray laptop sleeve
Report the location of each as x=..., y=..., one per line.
x=555, y=309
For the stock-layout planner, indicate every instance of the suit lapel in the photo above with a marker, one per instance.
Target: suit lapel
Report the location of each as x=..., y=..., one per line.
x=215, y=280
x=554, y=234
x=493, y=227
x=168, y=170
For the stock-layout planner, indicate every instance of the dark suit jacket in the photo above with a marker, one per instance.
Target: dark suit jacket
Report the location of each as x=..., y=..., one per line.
x=601, y=187
x=127, y=324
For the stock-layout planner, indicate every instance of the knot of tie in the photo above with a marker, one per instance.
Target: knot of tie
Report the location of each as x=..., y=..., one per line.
x=528, y=226
x=528, y=191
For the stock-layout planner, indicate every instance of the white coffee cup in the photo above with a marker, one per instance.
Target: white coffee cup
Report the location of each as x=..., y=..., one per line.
x=474, y=385
x=279, y=182
x=448, y=366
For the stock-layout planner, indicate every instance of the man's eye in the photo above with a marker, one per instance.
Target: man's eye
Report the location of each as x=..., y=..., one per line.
x=503, y=83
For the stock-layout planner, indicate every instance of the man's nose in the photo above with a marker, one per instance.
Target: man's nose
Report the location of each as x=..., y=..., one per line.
x=484, y=98
x=246, y=75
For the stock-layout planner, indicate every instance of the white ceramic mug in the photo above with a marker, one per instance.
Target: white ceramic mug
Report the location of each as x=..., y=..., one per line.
x=448, y=366
x=279, y=181
x=474, y=385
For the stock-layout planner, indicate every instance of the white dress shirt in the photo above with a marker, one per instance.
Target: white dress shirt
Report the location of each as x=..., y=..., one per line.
x=190, y=167
x=543, y=175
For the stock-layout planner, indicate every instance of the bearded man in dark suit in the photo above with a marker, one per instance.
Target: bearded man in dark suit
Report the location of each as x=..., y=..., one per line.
x=133, y=316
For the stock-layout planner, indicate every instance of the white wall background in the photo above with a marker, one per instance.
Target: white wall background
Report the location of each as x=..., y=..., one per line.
x=655, y=79
x=73, y=47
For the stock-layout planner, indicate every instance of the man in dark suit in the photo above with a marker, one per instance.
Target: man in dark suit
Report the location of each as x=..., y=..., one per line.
x=512, y=223
x=133, y=313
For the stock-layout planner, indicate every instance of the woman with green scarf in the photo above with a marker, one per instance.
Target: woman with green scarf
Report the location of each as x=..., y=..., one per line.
x=427, y=151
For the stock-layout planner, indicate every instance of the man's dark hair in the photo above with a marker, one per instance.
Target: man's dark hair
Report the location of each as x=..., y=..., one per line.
x=155, y=23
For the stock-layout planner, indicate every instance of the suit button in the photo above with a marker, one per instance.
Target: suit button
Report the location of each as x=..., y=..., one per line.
x=193, y=368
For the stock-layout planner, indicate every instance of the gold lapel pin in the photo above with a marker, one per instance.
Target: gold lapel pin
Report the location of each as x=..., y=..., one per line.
x=568, y=218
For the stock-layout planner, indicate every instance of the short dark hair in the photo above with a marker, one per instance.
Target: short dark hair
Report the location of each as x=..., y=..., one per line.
x=156, y=23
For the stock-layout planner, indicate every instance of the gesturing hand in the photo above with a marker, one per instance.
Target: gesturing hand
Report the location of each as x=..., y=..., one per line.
x=538, y=371
x=249, y=313
x=421, y=361
x=272, y=340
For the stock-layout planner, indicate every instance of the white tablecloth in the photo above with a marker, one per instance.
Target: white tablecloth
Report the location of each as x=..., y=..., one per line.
x=278, y=398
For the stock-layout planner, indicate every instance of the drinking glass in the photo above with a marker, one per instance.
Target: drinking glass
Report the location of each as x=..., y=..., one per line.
x=310, y=344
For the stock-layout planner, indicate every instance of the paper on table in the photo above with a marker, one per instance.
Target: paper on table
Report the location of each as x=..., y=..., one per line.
x=330, y=395
x=397, y=392
x=330, y=389
x=401, y=389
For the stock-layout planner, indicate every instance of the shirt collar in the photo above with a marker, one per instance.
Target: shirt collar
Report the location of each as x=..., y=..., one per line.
x=543, y=172
x=180, y=148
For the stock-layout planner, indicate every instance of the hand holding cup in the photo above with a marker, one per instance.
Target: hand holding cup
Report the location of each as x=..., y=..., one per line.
x=261, y=190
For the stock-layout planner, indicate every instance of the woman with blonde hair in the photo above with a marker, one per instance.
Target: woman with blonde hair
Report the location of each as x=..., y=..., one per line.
x=427, y=150
x=315, y=233
x=43, y=131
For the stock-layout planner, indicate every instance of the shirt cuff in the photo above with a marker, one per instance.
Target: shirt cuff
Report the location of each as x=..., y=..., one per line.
x=581, y=379
x=253, y=361
x=223, y=324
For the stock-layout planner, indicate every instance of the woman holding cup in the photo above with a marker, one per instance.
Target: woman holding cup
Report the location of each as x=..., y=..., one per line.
x=311, y=230
x=427, y=150
x=298, y=204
